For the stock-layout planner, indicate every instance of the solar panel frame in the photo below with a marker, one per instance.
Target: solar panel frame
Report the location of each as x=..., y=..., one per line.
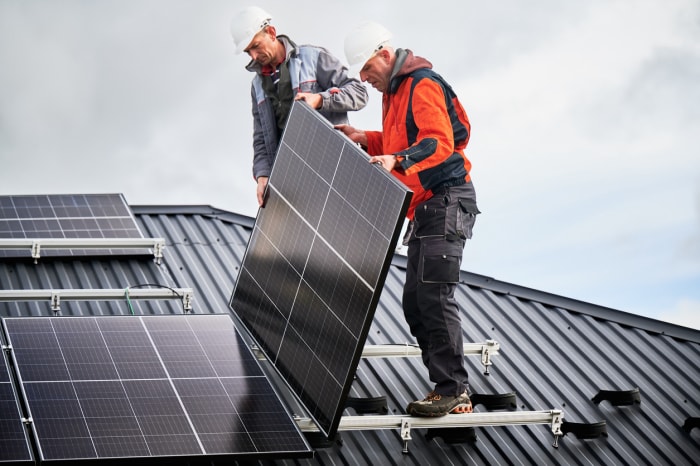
x=14, y=441
x=84, y=216
x=316, y=261
x=149, y=387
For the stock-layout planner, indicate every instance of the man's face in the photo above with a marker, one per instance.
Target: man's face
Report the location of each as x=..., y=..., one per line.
x=262, y=48
x=377, y=71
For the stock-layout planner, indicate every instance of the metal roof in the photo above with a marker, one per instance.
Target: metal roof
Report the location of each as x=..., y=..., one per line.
x=555, y=352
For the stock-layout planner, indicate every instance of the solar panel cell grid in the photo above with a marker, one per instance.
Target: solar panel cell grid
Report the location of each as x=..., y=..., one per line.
x=316, y=260
x=151, y=386
x=67, y=216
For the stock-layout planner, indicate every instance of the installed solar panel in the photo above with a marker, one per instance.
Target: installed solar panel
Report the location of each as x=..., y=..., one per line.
x=67, y=216
x=14, y=446
x=147, y=386
x=316, y=261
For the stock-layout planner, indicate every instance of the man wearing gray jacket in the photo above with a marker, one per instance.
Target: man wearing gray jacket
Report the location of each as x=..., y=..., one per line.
x=285, y=72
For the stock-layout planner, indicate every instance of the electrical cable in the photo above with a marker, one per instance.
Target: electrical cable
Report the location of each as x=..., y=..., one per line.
x=128, y=301
x=156, y=285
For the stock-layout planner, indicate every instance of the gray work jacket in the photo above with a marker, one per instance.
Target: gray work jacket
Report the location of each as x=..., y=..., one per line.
x=312, y=69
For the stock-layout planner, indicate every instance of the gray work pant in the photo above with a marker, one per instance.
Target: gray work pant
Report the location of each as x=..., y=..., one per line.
x=436, y=239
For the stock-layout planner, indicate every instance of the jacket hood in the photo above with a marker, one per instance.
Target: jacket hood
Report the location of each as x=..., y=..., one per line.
x=406, y=63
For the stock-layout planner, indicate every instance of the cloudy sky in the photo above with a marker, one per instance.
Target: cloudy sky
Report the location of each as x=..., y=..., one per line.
x=585, y=122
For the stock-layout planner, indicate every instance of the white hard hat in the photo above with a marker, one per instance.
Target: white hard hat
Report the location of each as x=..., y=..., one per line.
x=248, y=22
x=363, y=41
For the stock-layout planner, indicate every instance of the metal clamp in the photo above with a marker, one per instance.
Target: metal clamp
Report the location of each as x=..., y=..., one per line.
x=36, y=251
x=55, y=301
x=187, y=300
x=405, y=434
x=557, y=421
x=486, y=351
x=158, y=250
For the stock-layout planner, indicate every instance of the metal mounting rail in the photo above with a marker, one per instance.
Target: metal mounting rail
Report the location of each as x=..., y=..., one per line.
x=55, y=296
x=554, y=418
x=485, y=350
x=35, y=245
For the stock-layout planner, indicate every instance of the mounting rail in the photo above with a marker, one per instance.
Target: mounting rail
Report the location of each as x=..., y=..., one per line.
x=55, y=296
x=35, y=245
x=485, y=350
x=554, y=418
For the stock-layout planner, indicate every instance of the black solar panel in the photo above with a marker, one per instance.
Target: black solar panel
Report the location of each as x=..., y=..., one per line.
x=14, y=445
x=316, y=261
x=147, y=386
x=67, y=216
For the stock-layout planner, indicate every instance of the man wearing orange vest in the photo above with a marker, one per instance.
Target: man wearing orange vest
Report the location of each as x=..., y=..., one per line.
x=424, y=133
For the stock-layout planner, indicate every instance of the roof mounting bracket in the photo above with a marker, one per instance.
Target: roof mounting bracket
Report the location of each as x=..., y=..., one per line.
x=584, y=430
x=494, y=401
x=452, y=436
x=318, y=440
x=618, y=397
x=691, y=423
x=365, y=405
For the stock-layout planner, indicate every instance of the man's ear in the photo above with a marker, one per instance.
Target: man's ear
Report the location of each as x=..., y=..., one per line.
x=386, y=56
x=271, y=31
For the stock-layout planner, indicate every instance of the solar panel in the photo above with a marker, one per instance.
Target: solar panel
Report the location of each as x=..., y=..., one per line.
x=147, y=387
x=67, y=216
x=316, y=261
x=14, y=445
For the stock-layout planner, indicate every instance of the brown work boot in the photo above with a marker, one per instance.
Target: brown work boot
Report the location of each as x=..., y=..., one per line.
x=434, y=405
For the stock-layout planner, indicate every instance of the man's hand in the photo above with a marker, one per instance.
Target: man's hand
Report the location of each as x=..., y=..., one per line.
x=387, y=162
x=262, y=184
x=355, y=135
x=314, y=100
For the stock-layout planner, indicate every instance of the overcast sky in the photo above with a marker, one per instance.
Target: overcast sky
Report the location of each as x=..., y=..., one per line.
x=585, y=122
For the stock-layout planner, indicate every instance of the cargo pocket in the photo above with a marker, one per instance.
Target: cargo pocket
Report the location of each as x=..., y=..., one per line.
x=430, y=217
x=440, y=262
x=466, y=217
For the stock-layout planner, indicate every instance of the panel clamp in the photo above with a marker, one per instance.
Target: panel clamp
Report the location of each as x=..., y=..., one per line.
x=55, y=301
x=405, y=433
x=187, y=296
x=36, y=251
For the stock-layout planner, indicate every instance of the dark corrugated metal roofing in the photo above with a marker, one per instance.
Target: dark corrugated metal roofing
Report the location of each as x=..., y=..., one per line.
x=555, y=353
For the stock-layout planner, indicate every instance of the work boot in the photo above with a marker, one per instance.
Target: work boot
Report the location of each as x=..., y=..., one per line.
x=434, y=405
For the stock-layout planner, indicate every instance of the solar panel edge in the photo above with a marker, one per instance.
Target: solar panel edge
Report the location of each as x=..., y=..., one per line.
x=13, y=451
